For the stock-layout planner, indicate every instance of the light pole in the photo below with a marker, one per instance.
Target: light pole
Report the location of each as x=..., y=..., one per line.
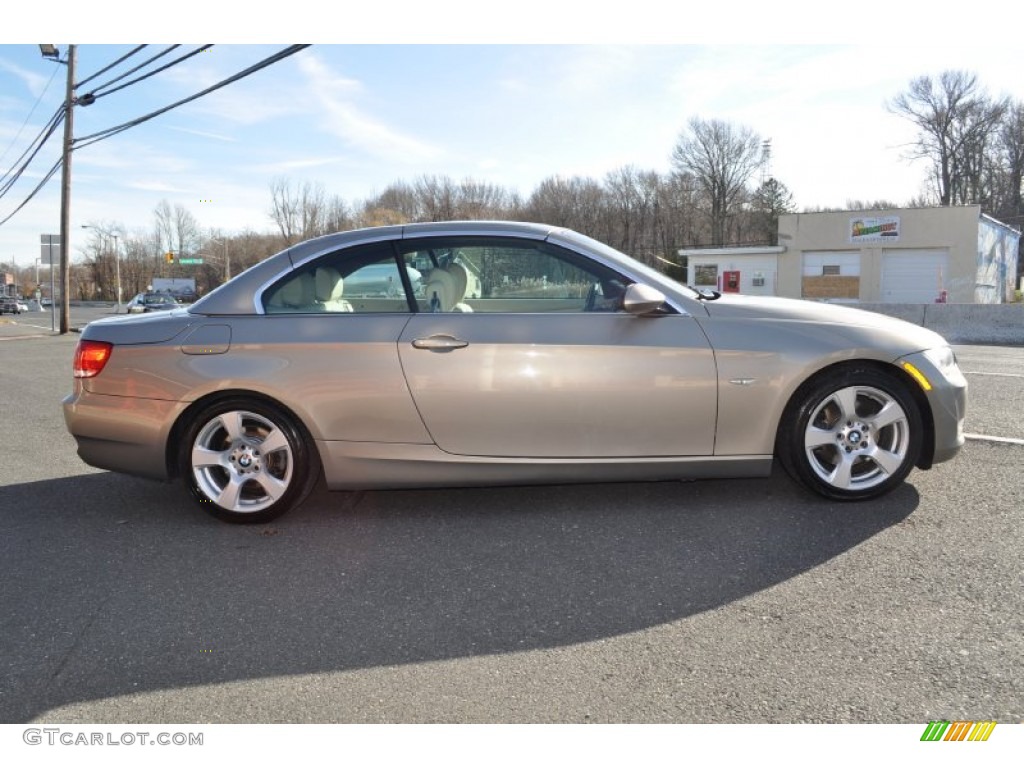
x=117, y=270
x=117, y=260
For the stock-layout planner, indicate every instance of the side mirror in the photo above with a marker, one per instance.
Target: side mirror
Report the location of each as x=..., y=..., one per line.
x=641, y=299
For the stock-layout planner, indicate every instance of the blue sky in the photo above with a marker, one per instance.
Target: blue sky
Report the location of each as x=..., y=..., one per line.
x=514, y=110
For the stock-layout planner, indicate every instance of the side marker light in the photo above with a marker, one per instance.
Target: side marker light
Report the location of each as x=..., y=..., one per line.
x=918, y=376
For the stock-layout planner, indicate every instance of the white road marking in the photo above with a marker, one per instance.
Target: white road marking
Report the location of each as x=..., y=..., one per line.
x=985, y=373
x=994, y=439
x=25, y=336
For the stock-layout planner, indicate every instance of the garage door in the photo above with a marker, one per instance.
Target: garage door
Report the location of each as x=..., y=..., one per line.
x=914, y=276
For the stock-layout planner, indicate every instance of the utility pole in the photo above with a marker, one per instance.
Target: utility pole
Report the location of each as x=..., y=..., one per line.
x=65, y=194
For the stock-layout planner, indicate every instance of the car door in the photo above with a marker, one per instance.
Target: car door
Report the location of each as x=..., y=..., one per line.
x=542, y=363
x=328, y=338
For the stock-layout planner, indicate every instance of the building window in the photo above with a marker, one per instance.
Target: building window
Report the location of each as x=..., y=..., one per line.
x=705, y=274
x=830, y=269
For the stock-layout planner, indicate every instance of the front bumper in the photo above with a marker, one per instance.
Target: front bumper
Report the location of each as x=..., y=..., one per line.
x=947, y=398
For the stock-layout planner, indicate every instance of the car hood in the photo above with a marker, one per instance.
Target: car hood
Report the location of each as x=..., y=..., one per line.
x=771, y=308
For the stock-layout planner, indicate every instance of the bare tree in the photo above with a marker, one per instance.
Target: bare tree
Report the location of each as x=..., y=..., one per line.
x=186, y=230
x=1010, y=149
x=480, y=200
x=176, y=229
x=631, y=198
x=955, y=119
x=721, y=158
x=677, y=206
x=140, y=258
x=299, y=212
x=99, y=263
x=577, y=203
x=284, y=210
x=398, y=203
x=437, y=198
x=337, y=215
x=163, y=228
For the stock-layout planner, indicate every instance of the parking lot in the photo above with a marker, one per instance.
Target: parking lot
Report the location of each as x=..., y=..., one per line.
x=715, y=601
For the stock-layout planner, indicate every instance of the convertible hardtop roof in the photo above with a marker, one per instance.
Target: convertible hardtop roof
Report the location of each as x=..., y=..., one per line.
x=237, y=296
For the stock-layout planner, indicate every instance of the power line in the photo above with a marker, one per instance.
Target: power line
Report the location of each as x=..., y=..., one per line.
x=85, y=141
x=113, y=64
x=11, y=177
x=39, y=186
x=133, y=70
x=60, y=116
x=44, y=131
x=90, y=97
x=29, y=117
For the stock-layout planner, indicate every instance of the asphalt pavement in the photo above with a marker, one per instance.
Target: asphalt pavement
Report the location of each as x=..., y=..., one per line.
x=704, y=602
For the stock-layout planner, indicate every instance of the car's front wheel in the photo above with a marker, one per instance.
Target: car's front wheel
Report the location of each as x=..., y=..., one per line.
x=853, y=434
x=246, y=461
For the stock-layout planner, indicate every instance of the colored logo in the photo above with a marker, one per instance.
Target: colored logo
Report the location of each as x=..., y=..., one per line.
x=960, y=730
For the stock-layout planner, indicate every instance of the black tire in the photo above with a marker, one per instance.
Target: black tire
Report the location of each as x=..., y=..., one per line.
x=246, y=461
x=852, y=434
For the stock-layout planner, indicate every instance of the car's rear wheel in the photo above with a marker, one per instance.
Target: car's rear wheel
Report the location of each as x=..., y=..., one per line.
x=246, y=461
x=854, y=434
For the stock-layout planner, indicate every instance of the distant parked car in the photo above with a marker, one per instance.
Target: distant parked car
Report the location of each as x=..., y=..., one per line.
x=9, y=305
x=22, y=305
x=151, y=302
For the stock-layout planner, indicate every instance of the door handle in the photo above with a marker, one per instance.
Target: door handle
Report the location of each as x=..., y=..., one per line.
x=440, y=343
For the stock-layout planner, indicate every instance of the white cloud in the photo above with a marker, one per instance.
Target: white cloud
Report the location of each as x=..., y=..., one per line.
x=514, y=85
x=127, y=155
x=298, y=164
x=156, y=186
x=314, y=67
x=34, y=82
x=589, y=70
x=204, y=134
x=260, y=98
x=343, y=119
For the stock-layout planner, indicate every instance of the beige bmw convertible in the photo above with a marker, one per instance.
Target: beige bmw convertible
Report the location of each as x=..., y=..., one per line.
x=498, y=353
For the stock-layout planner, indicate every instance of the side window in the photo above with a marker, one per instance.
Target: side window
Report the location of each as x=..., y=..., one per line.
x=495, y=275
x=360, y=279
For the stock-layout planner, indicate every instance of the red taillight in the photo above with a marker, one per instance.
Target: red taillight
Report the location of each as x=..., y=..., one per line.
x=90, y=357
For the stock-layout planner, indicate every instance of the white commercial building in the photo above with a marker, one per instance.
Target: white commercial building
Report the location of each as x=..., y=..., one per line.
x=907, y=255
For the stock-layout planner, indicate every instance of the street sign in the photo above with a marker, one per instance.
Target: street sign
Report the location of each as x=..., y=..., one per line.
x=190, y=261
x=49, y=245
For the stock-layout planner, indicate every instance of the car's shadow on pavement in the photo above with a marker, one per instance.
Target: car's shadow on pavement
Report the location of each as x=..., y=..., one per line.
x=116, y=586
